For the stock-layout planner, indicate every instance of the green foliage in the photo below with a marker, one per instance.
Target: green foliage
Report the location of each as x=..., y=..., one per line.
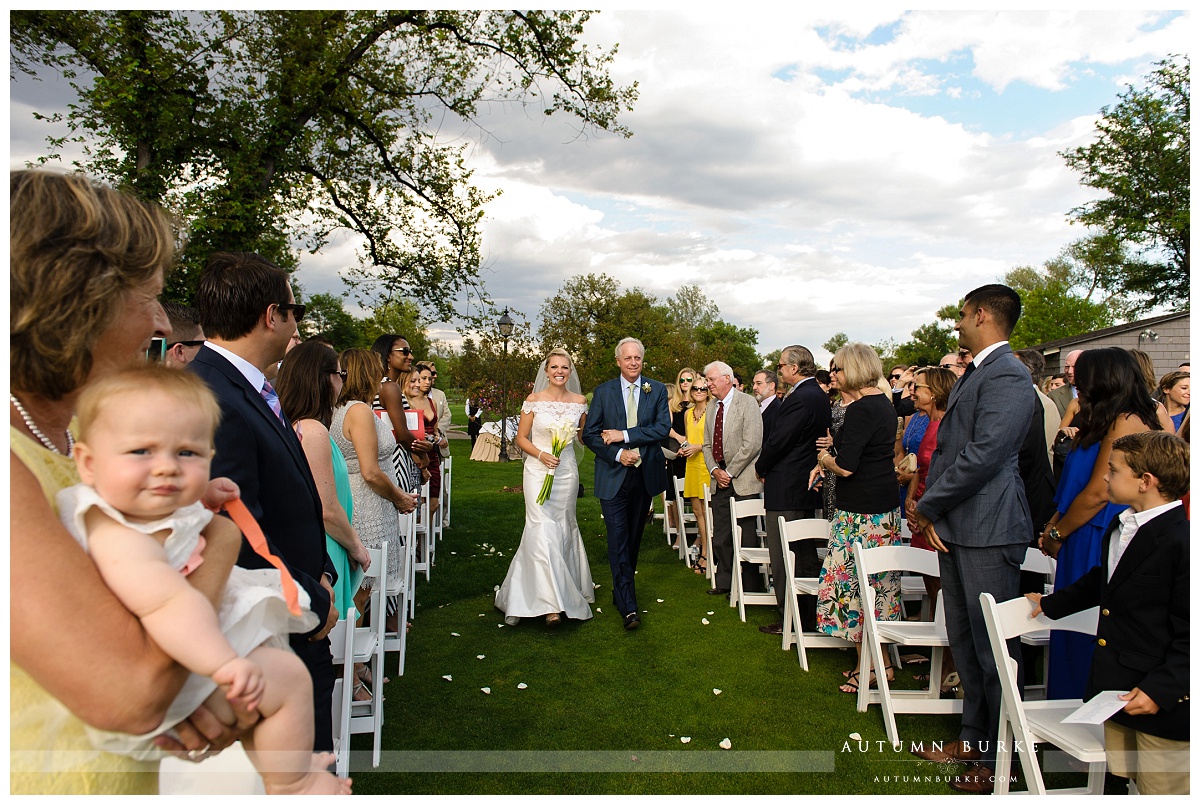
x=591, y=313
x=1051, y=308
x=399, y=316
x=1141, y=159
x=928, y=344
x=261, y=130
x=836, y=342
x=482, y=367
x=326, y=316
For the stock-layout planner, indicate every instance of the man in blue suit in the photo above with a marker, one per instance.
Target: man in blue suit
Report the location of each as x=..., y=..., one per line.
x=974, y=512
x=626, y=426
x=249, y=315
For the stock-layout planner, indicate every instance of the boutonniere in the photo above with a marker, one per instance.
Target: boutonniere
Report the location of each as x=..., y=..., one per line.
x=645, y=388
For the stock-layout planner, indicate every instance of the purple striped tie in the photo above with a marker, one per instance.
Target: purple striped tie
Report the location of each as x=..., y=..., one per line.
x=268, y=394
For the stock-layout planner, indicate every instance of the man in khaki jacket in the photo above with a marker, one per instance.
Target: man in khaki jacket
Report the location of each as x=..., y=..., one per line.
x=732, y=441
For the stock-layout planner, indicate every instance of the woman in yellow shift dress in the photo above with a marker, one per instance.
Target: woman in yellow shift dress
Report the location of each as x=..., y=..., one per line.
x=695, y=476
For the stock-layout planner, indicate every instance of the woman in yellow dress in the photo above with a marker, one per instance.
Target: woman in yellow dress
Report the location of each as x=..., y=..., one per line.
x=86, y=269
x=695, y=476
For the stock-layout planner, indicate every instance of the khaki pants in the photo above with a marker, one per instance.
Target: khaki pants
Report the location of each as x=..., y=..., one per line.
x=1157, y=765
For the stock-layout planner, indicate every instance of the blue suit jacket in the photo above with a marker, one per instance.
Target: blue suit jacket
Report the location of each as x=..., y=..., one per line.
x=265, y=460
x=653, y=426
x=974, y=494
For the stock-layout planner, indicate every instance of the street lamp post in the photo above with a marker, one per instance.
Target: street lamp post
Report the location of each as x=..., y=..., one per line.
x=505, y=325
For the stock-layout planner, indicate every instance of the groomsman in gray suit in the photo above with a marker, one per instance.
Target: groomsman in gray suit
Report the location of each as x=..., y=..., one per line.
x=974, y=512
x=732, y=440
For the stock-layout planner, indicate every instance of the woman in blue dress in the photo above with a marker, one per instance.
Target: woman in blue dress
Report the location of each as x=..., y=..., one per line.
x=1113, y=401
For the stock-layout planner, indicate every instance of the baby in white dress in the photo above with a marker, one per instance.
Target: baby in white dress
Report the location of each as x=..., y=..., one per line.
x=146, y=442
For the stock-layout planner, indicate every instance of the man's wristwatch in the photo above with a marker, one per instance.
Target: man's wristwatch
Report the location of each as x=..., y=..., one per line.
x=1054, y=535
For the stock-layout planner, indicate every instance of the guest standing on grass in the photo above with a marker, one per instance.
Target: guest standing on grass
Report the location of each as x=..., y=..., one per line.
x=974, y=513
x=549, y=574
x=867, y=506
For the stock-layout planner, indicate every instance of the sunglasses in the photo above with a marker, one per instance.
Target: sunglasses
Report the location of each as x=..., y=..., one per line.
x=199, y=343
x=402, y=350
x=685, y=379
x=894, y=377
x=700, y=389
x=297, y=309
x=833, y=369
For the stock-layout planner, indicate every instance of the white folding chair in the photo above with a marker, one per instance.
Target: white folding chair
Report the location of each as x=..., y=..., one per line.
x=876, y=633
x=1038, y=562
x=397, y=641
x=364, y=644
x=664, y=515
x=709, y=565
x=1022, y=724
x=792, y=532
x=425, y=534
x=410, y=546
x=686, y=519
x=738, y=510
x=447, y=475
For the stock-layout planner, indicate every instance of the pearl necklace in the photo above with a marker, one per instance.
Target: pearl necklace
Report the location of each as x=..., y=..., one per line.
x=36, y=431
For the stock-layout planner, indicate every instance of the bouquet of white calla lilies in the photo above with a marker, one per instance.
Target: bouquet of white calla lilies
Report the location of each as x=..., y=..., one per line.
x=561, y=434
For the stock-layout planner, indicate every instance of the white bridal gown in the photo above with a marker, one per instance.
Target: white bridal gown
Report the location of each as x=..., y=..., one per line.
x=549, y=572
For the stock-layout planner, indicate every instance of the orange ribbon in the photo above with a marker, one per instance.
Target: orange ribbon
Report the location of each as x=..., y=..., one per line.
x=254, y=535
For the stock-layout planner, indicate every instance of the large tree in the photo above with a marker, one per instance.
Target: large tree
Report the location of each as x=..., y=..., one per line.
x=265, y=130
x=1141, y=161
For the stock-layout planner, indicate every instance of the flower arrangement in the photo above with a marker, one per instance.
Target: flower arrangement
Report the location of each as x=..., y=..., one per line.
x=561, y=434
x=645, y=388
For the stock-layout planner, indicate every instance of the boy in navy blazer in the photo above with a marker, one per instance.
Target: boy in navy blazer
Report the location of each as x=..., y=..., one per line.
x=1142, y=589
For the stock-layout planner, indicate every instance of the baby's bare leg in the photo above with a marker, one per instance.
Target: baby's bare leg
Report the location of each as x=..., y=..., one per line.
x=281, y=744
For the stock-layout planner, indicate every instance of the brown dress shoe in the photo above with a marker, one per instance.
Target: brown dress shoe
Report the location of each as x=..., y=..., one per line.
x=774, y=628
x=952, y=752
x=976, y=779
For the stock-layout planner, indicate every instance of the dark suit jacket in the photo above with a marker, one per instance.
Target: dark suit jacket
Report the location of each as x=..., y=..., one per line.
x=264, y=458
x=973, y=494
x=1143, y=631
x=607, y=412
x=789, y=450
x=1037, y=475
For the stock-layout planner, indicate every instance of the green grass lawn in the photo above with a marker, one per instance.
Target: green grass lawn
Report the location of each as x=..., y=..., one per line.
x=603, y=710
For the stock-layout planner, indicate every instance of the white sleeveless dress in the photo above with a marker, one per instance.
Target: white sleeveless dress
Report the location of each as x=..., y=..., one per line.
x=253, y=610
x=550, y=571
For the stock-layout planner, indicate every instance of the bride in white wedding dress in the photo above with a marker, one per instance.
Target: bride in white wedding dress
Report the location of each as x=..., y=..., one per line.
x=549, y=574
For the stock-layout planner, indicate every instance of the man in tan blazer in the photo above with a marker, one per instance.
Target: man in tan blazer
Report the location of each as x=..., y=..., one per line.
x=732, y=441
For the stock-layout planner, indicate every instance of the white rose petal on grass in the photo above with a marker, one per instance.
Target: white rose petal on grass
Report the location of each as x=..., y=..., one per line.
x=496, y=589
x=704, y=621
x=479, y=656
x=598, y=609
x=685, y=739
x=710, y=612
x=660, y=600
x=486, y=690
x=455, y=634
x=447, y=677
x=716, y=691
x=854, y=736
x=521, y=686
x=726, y=744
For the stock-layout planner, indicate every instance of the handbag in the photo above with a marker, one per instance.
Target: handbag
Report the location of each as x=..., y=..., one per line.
x=671, y=448
x=908, y=463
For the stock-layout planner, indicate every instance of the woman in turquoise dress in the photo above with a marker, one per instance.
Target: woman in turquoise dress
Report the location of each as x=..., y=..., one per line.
x=308, y=383
x=1113, y=401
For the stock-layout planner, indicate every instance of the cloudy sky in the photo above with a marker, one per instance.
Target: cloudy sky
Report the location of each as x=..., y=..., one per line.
x=812, y=171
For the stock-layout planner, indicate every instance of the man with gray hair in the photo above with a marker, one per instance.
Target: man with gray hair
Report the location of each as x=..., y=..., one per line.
x=789, y=453
x=626, y=425
x=732, y=439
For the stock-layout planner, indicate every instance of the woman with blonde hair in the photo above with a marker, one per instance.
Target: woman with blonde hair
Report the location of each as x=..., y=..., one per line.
x=549, y=574
x=678, y=401
x=696, y=476
x=1175, y=393
x=867, y=507
x=86, y=269
x=367, y=444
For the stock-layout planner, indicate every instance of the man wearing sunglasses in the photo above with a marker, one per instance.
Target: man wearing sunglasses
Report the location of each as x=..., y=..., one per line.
x=250, y=315
x=187, y=336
